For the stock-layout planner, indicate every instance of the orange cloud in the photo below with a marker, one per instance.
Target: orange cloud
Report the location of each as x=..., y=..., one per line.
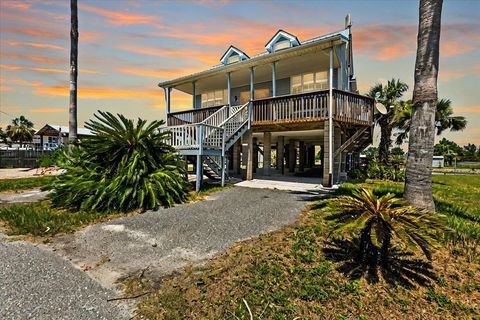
x=45, y=70
x=189, y=53
x=35, y=32
x=6, y=88
x=454, y=48
x=16, y=68
x=47, y=110
x=16, y=5
x=100, y=93
x=21, y=82
x=119, y=17
x=394, y=51
x=34, y=58
x=469, y=109
x=157, y=73
x=447, y=75
x=34, y=44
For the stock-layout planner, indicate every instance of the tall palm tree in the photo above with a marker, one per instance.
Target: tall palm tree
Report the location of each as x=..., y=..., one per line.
x=21, y=130
x=444, y=119
x=72, y=123
x=418, y=175
x=388, y=95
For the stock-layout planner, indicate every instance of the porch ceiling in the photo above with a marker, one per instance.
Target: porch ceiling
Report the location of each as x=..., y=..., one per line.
x=289, y=62
x=316, y=61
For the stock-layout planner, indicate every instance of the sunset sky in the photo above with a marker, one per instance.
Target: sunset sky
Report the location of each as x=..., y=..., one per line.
x=127, y=47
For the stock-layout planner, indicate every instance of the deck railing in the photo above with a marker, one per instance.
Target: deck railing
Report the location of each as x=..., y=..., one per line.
x=313, y=106
x=190, y=116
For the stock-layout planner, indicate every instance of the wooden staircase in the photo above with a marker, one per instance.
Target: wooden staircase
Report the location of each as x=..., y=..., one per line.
x=210, y=139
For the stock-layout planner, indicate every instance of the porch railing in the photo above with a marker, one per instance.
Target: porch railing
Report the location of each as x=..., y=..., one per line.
x=190, y=116
x=313, y=106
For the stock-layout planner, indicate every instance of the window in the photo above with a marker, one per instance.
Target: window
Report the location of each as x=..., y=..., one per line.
x=308, y=82
x=281, y=45
x=214, y=98
x=321, y=80
x=296, y=83
x=233, y=58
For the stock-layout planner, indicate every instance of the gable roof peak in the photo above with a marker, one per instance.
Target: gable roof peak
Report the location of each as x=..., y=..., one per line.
x=232, y=49
x=282, y=33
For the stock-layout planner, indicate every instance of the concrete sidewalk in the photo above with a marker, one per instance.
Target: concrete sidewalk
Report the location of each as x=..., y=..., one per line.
x=287, y=183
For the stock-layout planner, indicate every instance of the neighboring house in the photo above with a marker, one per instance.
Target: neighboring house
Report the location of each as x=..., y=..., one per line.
x=438, y=162
x=290, y=103
x=52, y=136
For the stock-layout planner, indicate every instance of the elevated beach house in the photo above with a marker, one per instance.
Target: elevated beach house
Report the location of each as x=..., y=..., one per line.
x=292, y=109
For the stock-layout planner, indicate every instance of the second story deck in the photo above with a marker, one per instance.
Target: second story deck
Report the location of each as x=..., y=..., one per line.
x=293, y=111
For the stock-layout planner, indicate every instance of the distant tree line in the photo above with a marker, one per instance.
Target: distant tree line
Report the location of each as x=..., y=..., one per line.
x=451, y=151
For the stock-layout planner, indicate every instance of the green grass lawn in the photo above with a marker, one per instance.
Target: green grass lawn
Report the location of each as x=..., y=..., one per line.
x=24, y=183
x=39, y=219
x=292, y=274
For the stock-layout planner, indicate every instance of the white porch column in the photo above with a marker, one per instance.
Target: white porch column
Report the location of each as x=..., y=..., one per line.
x=229, y=86
x=252, y=84
x=167, y=99
x=330, y=120
x=274, y=77
x=193, y=94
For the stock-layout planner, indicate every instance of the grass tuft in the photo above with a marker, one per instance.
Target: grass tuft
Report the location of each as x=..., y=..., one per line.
x=25, y=183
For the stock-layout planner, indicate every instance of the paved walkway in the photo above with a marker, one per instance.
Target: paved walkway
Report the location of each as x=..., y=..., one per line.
x=32, y=195
x=168, y=239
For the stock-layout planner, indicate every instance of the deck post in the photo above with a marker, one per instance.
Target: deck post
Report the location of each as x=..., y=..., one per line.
x=330, y=121
x=223, y=158
x=255, y=154
x=337, y=142
x=292, y=157
x=267, y=152
x=301, y=156
x=229, y=87
x=249, y=140
x=274, y=77
x=280, y=153
x=252, y=84
x=198, y=181
x=236, y=156
x=167, y=100
x=193, y=94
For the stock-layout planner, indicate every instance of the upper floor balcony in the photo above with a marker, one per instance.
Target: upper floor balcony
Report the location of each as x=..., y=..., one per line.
x=293, y=110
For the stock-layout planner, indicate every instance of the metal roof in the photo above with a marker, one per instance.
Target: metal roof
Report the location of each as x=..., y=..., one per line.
x=343, y=34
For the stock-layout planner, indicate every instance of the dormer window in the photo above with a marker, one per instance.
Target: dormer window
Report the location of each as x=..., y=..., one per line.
x=281, y=45
x=233, y=55
x=280, y=41
x=233, y=58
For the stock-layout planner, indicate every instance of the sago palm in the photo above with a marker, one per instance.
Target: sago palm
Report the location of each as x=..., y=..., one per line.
x=444, y=119
x=383, y=220
x=122, y=167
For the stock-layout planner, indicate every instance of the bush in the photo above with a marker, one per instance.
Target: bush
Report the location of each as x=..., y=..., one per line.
x=124, y=166
x=381, y=220
x=52, y=159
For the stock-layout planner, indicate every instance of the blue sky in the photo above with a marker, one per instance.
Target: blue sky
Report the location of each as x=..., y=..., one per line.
x=127, y=47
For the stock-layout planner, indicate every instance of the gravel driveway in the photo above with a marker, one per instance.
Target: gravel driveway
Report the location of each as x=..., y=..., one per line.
x=164, y=240
x=35, y=283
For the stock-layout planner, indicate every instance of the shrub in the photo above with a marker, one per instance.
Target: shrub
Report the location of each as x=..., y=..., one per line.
x=52, y=159
x=124, y=166
x=381, y=220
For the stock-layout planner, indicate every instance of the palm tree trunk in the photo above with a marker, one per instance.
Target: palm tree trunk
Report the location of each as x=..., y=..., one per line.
x=418, y=176
x=385, y=139
x=72, y=123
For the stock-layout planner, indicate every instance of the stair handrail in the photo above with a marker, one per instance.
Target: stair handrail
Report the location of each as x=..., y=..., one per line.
x=216, y=118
